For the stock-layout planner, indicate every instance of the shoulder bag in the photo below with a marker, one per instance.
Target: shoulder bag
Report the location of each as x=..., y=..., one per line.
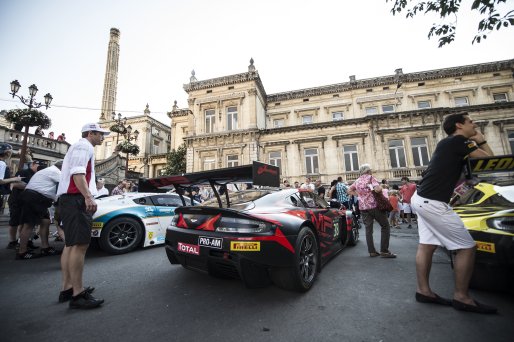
x=383, y=203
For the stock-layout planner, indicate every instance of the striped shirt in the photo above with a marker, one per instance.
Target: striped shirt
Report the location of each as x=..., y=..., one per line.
x=342, y=195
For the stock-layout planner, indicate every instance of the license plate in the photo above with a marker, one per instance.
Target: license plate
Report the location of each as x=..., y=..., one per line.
x=206, y=241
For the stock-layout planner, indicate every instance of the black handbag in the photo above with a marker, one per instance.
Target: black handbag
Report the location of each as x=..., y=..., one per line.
x=383, y=203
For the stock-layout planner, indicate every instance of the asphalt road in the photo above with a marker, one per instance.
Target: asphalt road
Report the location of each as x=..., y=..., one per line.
x=356, y=298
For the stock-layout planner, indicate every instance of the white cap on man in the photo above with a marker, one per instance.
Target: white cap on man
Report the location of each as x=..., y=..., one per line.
x=95, y=128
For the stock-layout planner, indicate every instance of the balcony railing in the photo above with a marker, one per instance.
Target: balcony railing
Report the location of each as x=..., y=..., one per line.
x=42, y=144
x=351, y=176
x=411, y=173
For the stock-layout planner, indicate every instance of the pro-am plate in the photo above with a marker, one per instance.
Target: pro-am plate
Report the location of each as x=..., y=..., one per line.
x=211, y=242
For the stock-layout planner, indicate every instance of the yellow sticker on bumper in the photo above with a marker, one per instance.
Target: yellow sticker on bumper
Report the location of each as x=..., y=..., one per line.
x=97, y=225
x=485, y=247
x=245, y=246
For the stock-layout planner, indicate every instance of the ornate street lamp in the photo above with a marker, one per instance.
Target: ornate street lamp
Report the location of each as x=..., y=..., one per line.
x=129, y=137
x=15, y=87
x=119, y=125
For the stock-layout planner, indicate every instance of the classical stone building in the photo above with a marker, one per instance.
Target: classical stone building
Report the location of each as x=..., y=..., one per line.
x=153, y=141
x=391, y=122
x=46, y=151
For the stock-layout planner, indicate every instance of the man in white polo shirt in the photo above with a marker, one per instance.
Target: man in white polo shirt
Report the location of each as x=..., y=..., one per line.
x=76, y=193
x=38, y=196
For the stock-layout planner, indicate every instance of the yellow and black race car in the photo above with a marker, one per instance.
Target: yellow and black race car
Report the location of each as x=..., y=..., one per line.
x=487, y=211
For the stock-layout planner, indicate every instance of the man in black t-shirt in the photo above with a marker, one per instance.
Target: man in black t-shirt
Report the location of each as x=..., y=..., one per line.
x=438, y=224
x=320, y=189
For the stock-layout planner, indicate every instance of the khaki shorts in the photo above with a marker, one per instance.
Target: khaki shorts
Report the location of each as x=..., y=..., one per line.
x=439, y=225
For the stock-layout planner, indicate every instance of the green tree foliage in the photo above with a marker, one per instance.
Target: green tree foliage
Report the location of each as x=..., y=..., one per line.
x=491, y=17
x=22, y=117
x=176, y=161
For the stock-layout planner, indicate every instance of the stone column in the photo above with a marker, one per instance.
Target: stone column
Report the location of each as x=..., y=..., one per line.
x=111, y=76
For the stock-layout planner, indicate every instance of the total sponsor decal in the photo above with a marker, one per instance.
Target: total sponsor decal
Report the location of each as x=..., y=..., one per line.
x=187, y=248
x=485, y=247
x=245, y=246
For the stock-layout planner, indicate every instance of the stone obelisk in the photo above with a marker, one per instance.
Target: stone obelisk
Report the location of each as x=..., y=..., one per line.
x=111, y=76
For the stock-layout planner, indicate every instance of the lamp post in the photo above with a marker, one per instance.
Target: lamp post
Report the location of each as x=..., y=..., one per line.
x=120, y=122
x=29, y=102
x=129, y=137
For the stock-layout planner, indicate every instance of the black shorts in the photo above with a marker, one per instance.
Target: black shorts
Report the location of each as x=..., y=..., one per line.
x=76, y=222
x=34, y=207
x=14, y=210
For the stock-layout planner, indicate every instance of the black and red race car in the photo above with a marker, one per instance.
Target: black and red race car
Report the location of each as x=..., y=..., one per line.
x=260, y=235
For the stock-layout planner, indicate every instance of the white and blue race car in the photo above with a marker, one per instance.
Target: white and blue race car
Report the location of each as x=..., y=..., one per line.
x=125, y=222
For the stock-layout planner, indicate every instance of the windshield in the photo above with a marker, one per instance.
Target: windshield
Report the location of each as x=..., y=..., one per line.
x=238, y=200
x=506, y=192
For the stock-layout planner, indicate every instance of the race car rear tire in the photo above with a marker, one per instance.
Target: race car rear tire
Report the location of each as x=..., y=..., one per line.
x=302, y=275
x=354, y=233
x=121, y=235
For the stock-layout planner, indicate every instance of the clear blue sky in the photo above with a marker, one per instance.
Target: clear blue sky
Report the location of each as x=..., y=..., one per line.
x=61, y=46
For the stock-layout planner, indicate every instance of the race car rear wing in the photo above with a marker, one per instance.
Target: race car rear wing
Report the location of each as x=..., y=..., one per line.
x=489, y=165
x=257, y=174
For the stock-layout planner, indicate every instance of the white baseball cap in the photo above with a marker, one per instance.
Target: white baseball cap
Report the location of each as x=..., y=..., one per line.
x=94, y=127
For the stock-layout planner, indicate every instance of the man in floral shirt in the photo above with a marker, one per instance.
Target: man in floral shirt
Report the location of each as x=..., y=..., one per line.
x=363, y=186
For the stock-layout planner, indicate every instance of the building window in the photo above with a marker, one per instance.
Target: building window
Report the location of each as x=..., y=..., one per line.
x=278, y=123
x=275, y=158
x=351, y=159
x=388, y=109
x=371, y=110
x=232, y=161
x=424, y=104
x=419, y=151
x=231, y=118
x=209, y=164
x=500, y=97
x=155, y=147
x=336, y=116
x=397, y=154
x=461, y=101
x=311, y=161
x=108, y=149
x=511, y=140
x=306, y=119
x=210, y=119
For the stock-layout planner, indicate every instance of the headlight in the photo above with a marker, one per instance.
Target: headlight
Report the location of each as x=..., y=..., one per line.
x=240, y=225
x=502, y=223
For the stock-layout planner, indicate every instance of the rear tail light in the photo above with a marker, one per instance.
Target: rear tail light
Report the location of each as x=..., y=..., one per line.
x=241, y=225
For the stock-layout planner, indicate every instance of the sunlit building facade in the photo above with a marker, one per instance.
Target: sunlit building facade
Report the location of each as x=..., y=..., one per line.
x=391, y=122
